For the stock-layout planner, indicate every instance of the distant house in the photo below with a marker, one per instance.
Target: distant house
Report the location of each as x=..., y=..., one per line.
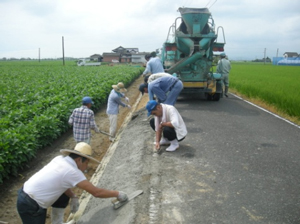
x=133, y=50
x=123, y=50
x=125, y=58
x=109, y=57
x=291, y=55
x=96, y=57
x=139, y=57
x=119, y=49
x=121, y=54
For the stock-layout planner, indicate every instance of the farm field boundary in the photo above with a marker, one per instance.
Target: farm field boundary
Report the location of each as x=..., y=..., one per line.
x=275, y=88
x=262, y=108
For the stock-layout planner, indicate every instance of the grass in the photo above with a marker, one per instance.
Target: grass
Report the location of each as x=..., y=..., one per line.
x=274, y=87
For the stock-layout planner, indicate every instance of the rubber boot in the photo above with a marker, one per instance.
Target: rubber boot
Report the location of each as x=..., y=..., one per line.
x=174, y=145
x=57, y=215
x=226, y=91
x=164, y=141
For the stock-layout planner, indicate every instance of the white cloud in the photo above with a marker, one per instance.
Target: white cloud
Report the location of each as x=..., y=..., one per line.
x=94, y=26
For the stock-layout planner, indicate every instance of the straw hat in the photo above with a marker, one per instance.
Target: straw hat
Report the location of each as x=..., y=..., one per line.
x=119, y=87
x=82, y=149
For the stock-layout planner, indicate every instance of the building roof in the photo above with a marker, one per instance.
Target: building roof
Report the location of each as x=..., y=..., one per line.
x=126, y=50
x=95, y=55
x=111, y=54
x=119, y=49
x=291, y=54
x=132, y=50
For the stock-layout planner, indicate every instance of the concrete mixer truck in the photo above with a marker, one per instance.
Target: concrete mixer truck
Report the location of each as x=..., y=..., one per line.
x=189, y=50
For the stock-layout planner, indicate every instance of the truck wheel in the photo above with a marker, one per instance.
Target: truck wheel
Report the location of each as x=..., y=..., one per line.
x=209, y=97
x=217, y=96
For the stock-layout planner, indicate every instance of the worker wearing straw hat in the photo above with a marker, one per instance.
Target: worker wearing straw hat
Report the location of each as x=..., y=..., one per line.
x=114, y=101
x=51, y=186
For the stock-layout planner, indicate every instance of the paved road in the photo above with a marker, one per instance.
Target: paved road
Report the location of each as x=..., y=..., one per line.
x=237, y=165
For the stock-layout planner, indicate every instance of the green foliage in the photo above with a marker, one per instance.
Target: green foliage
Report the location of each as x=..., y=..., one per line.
x=275, y=85
x=37, y=98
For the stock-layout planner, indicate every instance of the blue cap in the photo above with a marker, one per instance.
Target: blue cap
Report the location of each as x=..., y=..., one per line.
x=223, y=54
x=86, y=100
x=150, y=106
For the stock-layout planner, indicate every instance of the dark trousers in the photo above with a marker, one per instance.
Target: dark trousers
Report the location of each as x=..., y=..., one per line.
x=61, y=202
x=168, y=133
x=31, y=213
x=29, y=210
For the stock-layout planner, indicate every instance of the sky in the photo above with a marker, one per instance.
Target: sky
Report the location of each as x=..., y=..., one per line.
x=35, y=28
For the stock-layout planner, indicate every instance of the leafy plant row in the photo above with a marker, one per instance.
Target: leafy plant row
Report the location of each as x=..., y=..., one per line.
x=37, y=100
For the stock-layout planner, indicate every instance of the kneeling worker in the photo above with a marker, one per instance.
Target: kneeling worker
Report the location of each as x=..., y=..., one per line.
x=167, y=122
x=51, y=186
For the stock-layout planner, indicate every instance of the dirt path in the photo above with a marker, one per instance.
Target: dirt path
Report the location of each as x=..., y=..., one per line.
x=100, y=143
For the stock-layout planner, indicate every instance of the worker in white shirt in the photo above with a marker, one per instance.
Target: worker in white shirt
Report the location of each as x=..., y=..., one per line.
x=167, y=123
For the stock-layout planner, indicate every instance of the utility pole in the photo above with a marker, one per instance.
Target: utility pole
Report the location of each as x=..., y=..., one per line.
x=39, y=55
x=63, y=50
x=265, y=56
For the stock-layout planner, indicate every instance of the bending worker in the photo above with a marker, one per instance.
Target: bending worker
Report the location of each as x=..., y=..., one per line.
x=166, y=89
x=168, y=124
x=53, y=183
x=149, y=79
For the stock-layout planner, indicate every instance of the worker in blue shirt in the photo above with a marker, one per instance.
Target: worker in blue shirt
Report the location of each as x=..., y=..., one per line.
x=154, y=64
x=166, y=89
x=112, y=111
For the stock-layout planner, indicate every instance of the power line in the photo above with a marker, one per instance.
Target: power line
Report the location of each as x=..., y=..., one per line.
x=212, y=4
x=208, y=3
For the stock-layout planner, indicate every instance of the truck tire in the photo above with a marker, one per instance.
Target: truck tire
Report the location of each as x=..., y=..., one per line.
x=216, y=96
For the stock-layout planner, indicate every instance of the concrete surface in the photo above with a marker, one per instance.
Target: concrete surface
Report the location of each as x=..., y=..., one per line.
x=238, y=164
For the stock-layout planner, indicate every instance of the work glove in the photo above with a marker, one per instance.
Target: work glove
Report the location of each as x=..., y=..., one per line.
x=74, y=205
x=127, y=99
x=129, y=107
x=122, y=196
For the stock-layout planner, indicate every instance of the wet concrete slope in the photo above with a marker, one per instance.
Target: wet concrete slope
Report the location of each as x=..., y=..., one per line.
x=124, y=172
x=238, y=164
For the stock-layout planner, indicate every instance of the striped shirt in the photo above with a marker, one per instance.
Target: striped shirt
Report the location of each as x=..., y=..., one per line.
x=82, y=120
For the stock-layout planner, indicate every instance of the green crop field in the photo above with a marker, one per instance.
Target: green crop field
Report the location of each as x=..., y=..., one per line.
x=37, y=98
x=277, y=86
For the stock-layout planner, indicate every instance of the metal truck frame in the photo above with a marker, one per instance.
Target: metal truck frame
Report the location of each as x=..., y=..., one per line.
x=188, y=52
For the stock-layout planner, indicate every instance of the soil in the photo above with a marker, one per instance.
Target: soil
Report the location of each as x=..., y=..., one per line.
x=100, y=143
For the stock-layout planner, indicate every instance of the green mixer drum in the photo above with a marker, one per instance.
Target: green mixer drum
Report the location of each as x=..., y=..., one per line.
x=195, y=18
